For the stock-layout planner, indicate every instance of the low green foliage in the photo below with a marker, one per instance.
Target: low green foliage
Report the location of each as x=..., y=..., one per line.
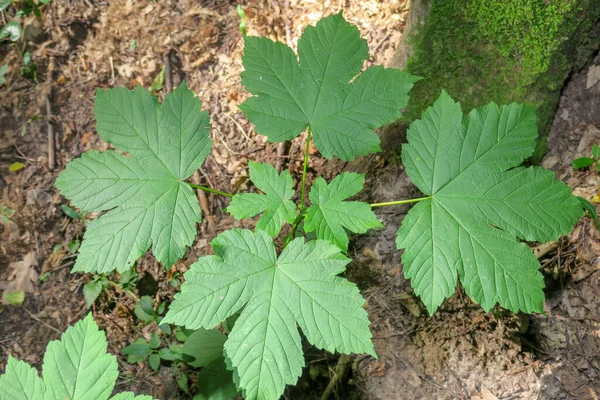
x=14, y=298
x=140, y=350
x=584, y=162
x=204, y=349
x=32, y=7
x=77, y=367
x=11, y=31
x=93, y=288
x=3, y=71
x=29, y=68
x=5, y=214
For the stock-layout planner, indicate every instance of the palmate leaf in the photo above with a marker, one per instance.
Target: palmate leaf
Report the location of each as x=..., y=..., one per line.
x=149, y=202
x=275, y=204
x=76, y=367
x=289, y=98
x=276, y=293
x=328, y=214
x=480, y=204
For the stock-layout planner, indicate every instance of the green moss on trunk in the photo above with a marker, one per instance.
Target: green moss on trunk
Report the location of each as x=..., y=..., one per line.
x=505, y=51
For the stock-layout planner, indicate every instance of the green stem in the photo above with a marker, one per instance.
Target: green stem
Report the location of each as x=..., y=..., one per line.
x=290, y=235
x=406, y=201
x=117, y=286
x=305, y=167
x=295, y=224
x=209, y=190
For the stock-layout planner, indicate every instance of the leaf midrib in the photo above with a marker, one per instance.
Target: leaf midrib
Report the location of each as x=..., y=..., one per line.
x=158, y=123
x=292, y=94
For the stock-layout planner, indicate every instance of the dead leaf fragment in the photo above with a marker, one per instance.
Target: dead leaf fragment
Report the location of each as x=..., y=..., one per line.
x=23, y=275
x=485, y=394
x=377, y=368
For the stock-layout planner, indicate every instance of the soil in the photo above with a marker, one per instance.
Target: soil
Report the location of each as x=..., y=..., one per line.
x=459, y=353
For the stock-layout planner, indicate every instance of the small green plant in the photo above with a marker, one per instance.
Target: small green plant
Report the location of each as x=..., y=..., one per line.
x=76, y=367
x=14, y=298
x=12, y=31
x=100, y=282
x=147, y=313
x=133, y=44
x=140, y=350
x=32, y=7
x=242, y=16
x=584, y=162
x=29, y=68
x=3, y=71
x=477, y=204
x=92, y=289
x=204, y=349
x=200, y=349
x=159, y=81
x=5, y=214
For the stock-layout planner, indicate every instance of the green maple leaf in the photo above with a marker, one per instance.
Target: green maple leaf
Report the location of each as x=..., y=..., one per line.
x=328, y=214
x=276, y=204
x=149, y=201
x=298, y=287
x=76, y=367
x=479, y=203
x=289, y=98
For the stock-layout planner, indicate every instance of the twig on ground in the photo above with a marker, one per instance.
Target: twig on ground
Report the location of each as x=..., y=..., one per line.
x=281, y=150
x=168, y=79
x=239, y=127
x=112, y=70
x=42, y=322
x=545, y=248
x=51, y=139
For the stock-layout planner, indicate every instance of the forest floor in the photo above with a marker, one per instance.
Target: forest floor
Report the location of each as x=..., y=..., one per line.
x=459, y=353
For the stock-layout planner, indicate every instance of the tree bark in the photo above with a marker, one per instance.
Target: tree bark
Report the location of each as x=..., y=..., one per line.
x=503, y=51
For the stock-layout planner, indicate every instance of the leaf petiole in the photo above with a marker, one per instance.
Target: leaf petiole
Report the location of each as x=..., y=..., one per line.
x=302, y=207
x=304, y=168
x=129, y=292
x=406, y=201
x=292, y=233
x=207, y=189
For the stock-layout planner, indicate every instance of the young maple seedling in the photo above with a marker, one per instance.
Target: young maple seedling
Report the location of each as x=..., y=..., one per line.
x=477, y=203
x=584, y=162
x=75, y=367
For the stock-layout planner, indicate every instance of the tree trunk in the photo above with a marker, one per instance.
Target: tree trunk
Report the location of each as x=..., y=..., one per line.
x=503, y=51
